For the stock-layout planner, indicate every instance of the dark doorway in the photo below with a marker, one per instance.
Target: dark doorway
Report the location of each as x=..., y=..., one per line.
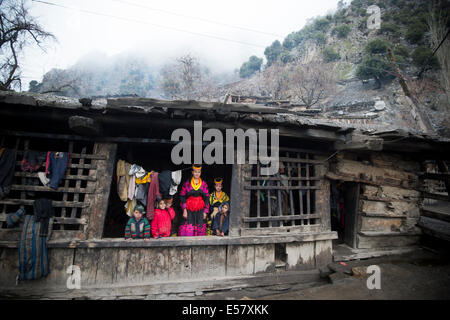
x=156, y=157
x=344, y=198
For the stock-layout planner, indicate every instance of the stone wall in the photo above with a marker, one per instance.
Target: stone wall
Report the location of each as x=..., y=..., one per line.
x=389, y=200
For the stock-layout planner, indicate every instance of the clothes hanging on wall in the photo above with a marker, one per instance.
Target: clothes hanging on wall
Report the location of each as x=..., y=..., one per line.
x=13, y=219
x=153, y=194
x=123, y=179
x=165, y=180
x=43, y=210
x=33, y=253
x=146, y=178
x=131, y=187
x=55, y=167
x=168, y=183
x=129, y=207
x=136, y=170
x=31, y=162
x=176, y=180
x=7, y=165
x=142, y=193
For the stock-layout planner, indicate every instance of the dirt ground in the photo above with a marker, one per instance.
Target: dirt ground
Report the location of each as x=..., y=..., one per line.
x=420, y=275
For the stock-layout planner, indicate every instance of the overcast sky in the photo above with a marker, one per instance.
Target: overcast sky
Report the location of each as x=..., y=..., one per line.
x=164, y=29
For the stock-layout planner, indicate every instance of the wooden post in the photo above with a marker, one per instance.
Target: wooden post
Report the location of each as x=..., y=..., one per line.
x=323, y=198
x=300, y=192
x=240, y=198
x=99, y=199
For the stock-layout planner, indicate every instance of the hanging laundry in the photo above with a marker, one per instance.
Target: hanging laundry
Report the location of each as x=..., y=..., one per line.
x=132, y=187
x=176, y=180
x=136, y=170
x=7, y=165
x=13, y=219
x=33, y=252
x=142, y=193
x=153, y=194
x=123, y=179
x=168, y=182
x=165, y=181
x=129, y=207
x=43, y=211
x=55, y=169
x=31, y=162
x=147, y=178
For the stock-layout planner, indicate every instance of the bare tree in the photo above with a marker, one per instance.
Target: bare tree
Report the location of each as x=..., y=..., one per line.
x=17, y=30
x=276, y=80
x=62, y=82
x=186, y=79
x=311, y=82
x=438, y=20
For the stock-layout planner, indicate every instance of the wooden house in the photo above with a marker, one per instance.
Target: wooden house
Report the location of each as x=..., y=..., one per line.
x=374, y=182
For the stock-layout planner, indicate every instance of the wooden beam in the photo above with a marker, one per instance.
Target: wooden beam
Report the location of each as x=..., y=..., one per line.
x=76, y=155
x=282, y=187
x=48, y=189
x=434, y=176
x=283, y=217
x=279, y=178
x=434, y=196
x=185, y=241
x=436, y=215
x=73, y=165
x=66, y=177
x=357, y=141
x=437, y=228
x=99, y=200
x=240, y=204
x=28, y=202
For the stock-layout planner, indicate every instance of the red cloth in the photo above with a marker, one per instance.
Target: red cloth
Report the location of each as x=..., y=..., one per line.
x=161, y=224
x=153, y=194
x=195, y=203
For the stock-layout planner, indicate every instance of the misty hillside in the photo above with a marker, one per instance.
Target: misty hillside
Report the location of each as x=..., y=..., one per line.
x=351, y=62
x=96, y=75
x=335, y=63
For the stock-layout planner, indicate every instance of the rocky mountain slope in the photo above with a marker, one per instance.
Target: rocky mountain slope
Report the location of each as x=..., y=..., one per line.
x=358, y=58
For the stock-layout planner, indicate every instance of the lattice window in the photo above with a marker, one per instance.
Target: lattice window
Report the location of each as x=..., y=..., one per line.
x=71, y=201
x=287, y=199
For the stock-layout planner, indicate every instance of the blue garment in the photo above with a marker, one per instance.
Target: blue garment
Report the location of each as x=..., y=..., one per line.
x=33, y=252
x=57, y=165
x=13, y=219
x=225, y=223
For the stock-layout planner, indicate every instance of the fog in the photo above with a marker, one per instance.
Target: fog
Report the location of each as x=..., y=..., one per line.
x=98, y=31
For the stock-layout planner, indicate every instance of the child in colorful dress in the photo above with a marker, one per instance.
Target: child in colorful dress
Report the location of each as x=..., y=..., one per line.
x=194, y=198
x=137, y=226
x=221, y=220
x=161, y=223
x=215, y=200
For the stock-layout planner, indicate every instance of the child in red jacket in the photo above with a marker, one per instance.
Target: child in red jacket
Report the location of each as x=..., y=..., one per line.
x=161, y=223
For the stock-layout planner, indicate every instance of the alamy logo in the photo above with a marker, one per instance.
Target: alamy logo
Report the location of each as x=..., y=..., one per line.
x=374, y=281
x=374, y=20
x=213, y=152
x=74, y=280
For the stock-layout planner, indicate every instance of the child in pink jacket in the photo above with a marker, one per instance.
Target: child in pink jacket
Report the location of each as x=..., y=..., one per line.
x=161, y=224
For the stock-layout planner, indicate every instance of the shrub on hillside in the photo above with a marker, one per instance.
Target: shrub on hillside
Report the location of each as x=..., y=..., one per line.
x=329, y=54
x=342, y=30
x=415, y=32
x=376, y=46
x=422, y=58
